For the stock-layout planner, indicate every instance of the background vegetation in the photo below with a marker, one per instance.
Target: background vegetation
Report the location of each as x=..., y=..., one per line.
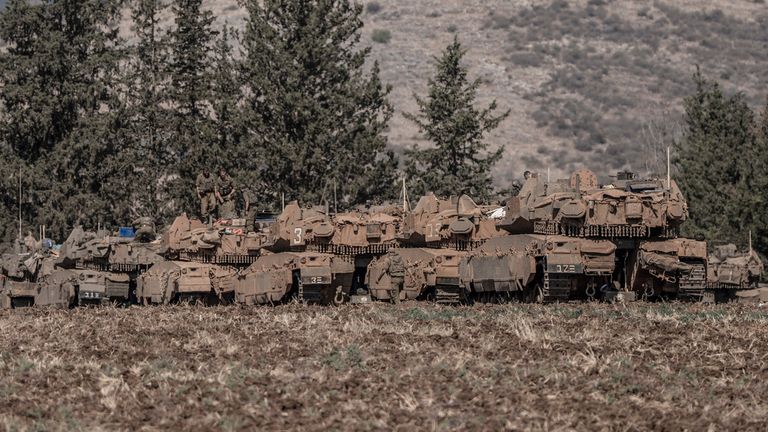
x=109, y=115
x=102, y=129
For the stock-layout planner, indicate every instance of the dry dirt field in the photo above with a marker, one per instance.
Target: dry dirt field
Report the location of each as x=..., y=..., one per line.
x=384, y=367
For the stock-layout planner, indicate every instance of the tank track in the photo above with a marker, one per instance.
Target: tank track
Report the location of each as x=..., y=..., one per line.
x=693, y=284
x=447, y=295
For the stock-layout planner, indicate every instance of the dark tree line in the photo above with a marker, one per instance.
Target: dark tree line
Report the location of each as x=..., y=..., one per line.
x=723, y=166
x=104, y=129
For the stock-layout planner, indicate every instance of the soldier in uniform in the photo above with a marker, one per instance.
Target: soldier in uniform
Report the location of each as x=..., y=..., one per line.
x=250, y=208
x=31, y=243
x=225, y=192
x=206, y=192
x=396, y=275
x=516, y=187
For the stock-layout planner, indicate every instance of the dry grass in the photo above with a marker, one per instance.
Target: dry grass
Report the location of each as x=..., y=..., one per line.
x=370, y=368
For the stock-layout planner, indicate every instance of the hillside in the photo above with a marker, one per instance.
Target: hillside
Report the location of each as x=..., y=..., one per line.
x=587, y=82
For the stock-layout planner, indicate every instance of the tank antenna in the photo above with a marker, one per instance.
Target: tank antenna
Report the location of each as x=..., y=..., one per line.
x=669, y=176
x=335, y=202
x=406, y=205
x=282, y=199
x=547, y=174
x=19, y=202
x=750, y=241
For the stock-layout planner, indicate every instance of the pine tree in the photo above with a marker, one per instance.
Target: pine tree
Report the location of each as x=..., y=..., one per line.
x=759, y=164
x=225, y=97
x=58, y=72
x=147, y=159
x=714, y=161
x=193, y=137
x=314, y=117
x=459, y=162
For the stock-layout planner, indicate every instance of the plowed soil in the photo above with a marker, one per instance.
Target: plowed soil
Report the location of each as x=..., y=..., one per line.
x=382, y=367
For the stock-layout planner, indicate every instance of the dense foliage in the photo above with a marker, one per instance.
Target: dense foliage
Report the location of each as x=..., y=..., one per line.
x=723, y=166
x=61, y=105
x=103, y=131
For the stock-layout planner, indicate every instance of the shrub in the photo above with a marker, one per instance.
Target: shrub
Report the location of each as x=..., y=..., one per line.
x=381, y=36
x=373, y=7
x=526, y=59
x=452, y=28
x=497, y=22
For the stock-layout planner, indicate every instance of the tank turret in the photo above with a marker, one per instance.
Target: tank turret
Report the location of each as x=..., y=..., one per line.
x=627, y=207
x=219, y=243
x=456, y=222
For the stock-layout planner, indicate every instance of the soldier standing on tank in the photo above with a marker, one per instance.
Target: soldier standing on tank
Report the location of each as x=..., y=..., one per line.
x=31, y=243
x=396, y=275
x=225, y=193
x=249, y=207
x=206, y=192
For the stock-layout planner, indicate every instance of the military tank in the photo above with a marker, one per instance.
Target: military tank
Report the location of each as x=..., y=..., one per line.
x=731, y=269
x=315, y=257
x=182, y=281
x=433, y=239
x=20, y=281
x=103, y=267
x=640, y=217
x=427, y=274
x=675, y=268
x=539, y=268
x=312, y=277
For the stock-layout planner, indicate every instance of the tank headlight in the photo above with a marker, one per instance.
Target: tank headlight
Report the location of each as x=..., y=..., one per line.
x=304, y=260
x=439, y=260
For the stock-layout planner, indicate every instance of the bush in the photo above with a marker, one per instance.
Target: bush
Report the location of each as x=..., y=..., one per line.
x=452, y=28
x=373, y=7
x=497, y=22
x=381, y=36
x=526, y=59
